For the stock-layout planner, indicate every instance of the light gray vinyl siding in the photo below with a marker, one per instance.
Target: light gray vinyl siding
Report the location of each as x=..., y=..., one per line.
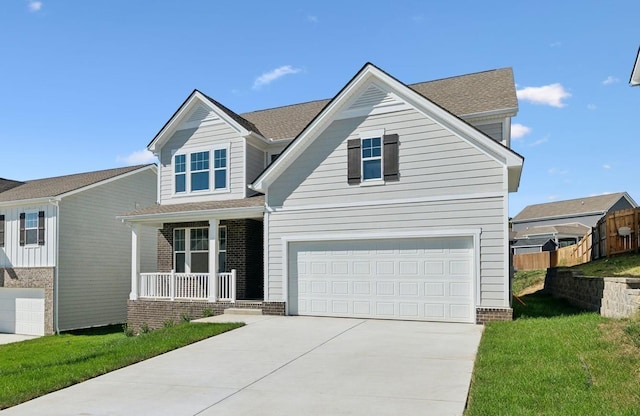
x=622, y=203
x=493, y=130
x=205, y=137
x=95, y=250
x=14, y=255
x=255, y=163
x=486, y=214
x=432, y=161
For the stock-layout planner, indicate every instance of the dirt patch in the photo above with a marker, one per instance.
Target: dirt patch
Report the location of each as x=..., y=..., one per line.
x=531, y=289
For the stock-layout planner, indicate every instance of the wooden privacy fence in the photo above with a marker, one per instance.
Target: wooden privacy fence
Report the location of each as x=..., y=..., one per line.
x=566, y=256
x=617, y=233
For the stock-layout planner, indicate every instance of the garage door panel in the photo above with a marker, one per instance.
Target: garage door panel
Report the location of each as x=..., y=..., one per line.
x=22, y=311
x=403, y=279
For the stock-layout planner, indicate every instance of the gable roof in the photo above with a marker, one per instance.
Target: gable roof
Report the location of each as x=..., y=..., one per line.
x=635, y=72
x=533, y=242
x=441, y=115
x=6, y=184
x=579, y=206
x=576, y=229
x=61, y=185
x=464, y=95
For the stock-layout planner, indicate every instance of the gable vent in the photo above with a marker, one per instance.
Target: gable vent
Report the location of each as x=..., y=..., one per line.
x=373, y=96
x=200, y=113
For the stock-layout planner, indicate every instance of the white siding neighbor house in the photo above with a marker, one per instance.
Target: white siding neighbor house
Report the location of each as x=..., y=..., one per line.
x=64, y=258
x=387, y=201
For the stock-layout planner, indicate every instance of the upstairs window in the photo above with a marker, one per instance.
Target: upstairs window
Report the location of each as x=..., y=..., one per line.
x=32, y=228
x=180, y=168
x=199, y=171
x=373, y=158
x=220, y=168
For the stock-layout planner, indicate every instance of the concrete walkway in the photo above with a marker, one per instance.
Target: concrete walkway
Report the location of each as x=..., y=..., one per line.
x=9, y=338
x=289, y=366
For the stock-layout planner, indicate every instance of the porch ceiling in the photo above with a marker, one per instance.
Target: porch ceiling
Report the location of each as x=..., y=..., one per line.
x=252, y=207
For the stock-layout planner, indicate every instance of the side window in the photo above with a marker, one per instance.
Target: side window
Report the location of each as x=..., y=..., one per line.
x=180, y=169
x=220, y=169
x=32, y=228
x=371, y=159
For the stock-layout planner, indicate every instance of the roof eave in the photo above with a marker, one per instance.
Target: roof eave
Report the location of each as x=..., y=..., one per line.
x=635, y=72
x=194, y=215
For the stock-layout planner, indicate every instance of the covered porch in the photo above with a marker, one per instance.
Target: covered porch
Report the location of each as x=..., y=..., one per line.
x=205, y=252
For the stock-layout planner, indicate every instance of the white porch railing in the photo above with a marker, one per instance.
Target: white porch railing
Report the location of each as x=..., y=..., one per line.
x=187, y=286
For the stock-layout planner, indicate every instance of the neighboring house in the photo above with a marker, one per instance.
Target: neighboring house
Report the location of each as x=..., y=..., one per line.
x=635, y=73
x=387, y=201
x=534, y=245
x=567, y=221
x=64, y=258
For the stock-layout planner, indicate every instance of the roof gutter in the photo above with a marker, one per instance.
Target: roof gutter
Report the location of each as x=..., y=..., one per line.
x=32, y=201
x=557, y=217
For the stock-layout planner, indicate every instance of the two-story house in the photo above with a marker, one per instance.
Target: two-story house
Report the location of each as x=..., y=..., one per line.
x=387, y=201
x=64, y=258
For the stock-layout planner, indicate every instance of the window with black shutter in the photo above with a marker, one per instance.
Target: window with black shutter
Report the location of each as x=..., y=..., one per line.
x=373, y=159
x=1, y=230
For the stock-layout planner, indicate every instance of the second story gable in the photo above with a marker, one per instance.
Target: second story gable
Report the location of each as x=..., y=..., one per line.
x=207, y=152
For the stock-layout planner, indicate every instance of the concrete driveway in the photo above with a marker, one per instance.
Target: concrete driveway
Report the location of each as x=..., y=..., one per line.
x=289, y=366
x=10, y=338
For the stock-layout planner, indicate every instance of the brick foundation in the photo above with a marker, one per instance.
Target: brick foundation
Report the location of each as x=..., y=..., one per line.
x=273, y=308
x=33, y=278
x=484, y=315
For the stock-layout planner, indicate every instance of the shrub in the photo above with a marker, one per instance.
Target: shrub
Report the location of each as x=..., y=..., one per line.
x=168, y=323
x=128, y=331
x=207, y=312
x=144, y=328
x=185, y=318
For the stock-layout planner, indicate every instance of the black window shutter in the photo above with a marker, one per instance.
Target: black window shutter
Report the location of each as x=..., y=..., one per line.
x=391, y=169
x=22, y=232
x=41, y=228
x=353, y=161
x=1, y=230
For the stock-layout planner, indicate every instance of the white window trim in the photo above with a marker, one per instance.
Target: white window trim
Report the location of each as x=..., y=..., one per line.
x=31, y=245
x=372, y=134
x=188, y=153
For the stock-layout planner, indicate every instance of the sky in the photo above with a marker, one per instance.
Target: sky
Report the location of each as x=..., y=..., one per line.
x=85, y=85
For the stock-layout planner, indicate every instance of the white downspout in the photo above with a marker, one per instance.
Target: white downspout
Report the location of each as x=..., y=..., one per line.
x=56, y=326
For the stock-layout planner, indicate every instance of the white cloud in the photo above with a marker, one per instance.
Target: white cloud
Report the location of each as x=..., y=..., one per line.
x=518, y=131
x=35, y=6
x=551, y=94
x=539, y=142
x=610, y=80
x=312, y=19
x=139, y=157
x=556, y=171
x=552, y=197
x=606, y=166
x=269, y=77
x=592, y=107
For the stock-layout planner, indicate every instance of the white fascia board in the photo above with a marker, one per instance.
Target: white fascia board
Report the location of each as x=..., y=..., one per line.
x=222, y=214
x=30, y=202
x=487, y=115
x=192, y=101
x=631, y=201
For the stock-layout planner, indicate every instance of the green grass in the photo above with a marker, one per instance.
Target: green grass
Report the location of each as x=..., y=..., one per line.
x=32, y=368
x=616, y=266
x=555, y=360
x=522, y=279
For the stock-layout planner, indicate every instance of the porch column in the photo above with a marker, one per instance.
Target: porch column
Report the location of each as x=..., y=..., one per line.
x=135, y=261
x=213, y=259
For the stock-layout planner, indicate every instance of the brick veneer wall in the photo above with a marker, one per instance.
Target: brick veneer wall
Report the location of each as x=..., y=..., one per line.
x=484, y=315
x=613, y=297
x=33, y=278
x=244, y=253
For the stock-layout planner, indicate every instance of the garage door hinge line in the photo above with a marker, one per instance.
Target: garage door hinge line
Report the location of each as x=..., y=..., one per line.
x=279, y=368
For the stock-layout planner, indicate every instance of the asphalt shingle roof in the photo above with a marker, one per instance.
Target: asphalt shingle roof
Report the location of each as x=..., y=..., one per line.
x=254, y=201
x=51, y=187
x=531, y=242
x=460, y=95
x=571, y=229
x=600, y=203
x=6, y=184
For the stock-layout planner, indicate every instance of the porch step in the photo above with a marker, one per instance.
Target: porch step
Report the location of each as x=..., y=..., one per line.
x=242, y=311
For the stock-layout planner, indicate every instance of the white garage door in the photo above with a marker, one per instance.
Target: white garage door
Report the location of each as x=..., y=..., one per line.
x=22, y=311
x=420, y=279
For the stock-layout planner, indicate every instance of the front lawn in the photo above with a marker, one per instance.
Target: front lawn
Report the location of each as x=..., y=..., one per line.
x=554, y=360
x=615, y=266
x=33, y=368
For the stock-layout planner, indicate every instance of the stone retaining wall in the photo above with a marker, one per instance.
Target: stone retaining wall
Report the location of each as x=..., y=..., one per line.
x=612, y=297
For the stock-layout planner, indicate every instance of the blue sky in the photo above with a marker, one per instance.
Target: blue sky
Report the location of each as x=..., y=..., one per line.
x=85, y=85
